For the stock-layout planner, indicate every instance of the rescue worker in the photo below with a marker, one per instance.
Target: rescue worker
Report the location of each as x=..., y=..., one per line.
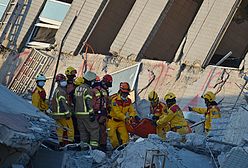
x=39, y=94
x=61, y=112
x=212, y=110
x=77, y=81
x=158, y=109
x=120, y=106
x=100, y=101
x=70, y=73
x=87, y=123
x=174, y=116
x=106, y=84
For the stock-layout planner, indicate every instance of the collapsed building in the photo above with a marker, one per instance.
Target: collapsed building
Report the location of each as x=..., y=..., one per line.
x=171, y=45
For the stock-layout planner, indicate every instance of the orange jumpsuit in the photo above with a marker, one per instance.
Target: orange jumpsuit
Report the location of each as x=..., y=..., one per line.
x=119, y=109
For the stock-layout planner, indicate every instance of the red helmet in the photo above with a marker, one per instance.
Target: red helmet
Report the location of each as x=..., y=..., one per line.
x=98, y=79
x=60, y=77
x=107, y=78
x=124, y=87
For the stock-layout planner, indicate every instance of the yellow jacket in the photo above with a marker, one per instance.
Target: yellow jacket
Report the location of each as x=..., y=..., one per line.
x=210, y=112
x=119, y=108
x=174, y=116
x=39, y=99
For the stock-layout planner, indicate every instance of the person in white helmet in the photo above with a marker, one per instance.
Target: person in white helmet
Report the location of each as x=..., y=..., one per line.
x=39, y=94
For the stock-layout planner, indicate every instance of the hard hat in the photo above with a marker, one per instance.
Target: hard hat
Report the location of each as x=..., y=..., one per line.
x=210, y=96
x=107, y=78
x=60, y=77
x=153, y=96
x=169, y=95
x=90, y=76
x=78, y=81
x=124, y=87
x=40, y=77
x=70, y=71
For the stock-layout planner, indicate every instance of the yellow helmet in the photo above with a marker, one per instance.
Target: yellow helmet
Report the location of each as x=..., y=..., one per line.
x=169, y=95
x=153, y=96
x=70, y=71
x=210, y=96
x=78, y=81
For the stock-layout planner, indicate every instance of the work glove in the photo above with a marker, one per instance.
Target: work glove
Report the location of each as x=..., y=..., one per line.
x=137, y=118
x=190, y=108
x=92, y=117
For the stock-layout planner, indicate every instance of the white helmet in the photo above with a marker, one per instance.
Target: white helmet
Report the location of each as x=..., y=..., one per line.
x=90, y=76
x=40, y=77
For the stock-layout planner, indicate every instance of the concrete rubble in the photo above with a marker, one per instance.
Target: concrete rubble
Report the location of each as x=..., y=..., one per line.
x=22, y=129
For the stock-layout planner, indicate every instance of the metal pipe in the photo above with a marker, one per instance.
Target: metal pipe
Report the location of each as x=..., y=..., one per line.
x=92, y=29
x=60, y=51
x=246, y=81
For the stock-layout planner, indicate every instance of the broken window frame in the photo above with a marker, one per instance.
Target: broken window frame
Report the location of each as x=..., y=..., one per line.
x=45, y=22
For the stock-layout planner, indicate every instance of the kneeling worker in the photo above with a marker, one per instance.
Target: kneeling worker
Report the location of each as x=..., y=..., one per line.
x=175, y=116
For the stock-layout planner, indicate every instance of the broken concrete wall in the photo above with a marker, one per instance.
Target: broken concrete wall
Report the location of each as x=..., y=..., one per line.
x=109, y=25
x=88, y=12
x=205, y=28
x=22, y=128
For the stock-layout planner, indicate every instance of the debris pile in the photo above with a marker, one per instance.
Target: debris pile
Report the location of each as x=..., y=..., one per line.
x=22, y=128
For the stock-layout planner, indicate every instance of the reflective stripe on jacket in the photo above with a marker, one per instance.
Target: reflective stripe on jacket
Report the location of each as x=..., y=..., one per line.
x=100, y=99
x=210, y=112
x=174, y=116
x=119, y=108
x=60, y=105
x=39, y=98
x=83, y=100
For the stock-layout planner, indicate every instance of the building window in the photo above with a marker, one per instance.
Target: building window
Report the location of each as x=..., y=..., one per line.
x=3, y=5
x=45, y=29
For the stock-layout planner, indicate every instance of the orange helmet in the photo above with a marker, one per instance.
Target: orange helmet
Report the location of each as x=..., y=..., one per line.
x=98, y=79
x=107, y=78
x=124, y=87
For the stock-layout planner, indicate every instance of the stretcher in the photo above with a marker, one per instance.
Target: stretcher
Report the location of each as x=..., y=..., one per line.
x=141, y=128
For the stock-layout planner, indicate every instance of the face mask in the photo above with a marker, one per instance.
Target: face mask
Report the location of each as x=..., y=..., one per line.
x=41, y=83
x=63, y=83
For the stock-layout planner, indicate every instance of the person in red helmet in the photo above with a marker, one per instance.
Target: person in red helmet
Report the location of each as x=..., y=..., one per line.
x=120, y=106
x=100, y=103
x=61, y=112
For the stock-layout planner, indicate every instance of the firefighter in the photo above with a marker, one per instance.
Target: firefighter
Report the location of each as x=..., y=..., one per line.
x=106, y=84
x=120, y=105
x=61, y=112
x=157, y=110
x=39, y=94
x=212, y=110
x=70, y=73
x=100, y=101
x=174, y=116
x=77, y=81
x=87, y=123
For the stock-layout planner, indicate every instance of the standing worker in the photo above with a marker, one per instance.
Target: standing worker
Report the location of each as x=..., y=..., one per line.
x=100, y=103
x=87, y=124
x=174, y=117
x=158, y=109
x=212, y=110
x=120, y=106
x=39, y=94
x=61, y=112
